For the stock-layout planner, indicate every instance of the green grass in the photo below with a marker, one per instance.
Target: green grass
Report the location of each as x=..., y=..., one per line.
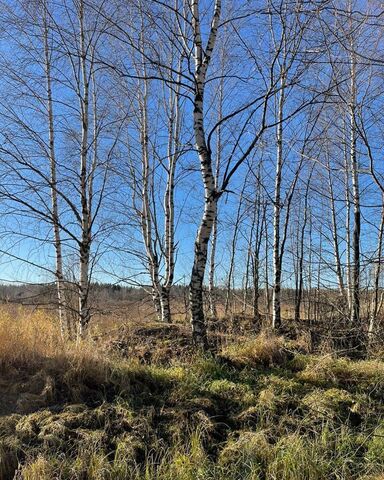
x=252, y=412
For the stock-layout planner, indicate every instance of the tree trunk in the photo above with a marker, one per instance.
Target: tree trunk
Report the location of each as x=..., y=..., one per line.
x=199, y=331
x=276, y=292
x=85, y=242
x=228, y=299
x=355, y=310
x=335, y=236
x=299, y=290
x=165, y=305
x=202, y=58
x=375, y=304
x=65, y=324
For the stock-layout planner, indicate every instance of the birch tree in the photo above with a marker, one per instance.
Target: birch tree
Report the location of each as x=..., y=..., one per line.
x=64, y=170
x=64, y=319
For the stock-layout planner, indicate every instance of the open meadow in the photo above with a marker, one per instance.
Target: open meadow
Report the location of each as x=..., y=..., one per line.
x=143, y=404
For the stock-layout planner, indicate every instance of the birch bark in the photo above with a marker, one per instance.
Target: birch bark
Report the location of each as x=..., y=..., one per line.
x=85, y=241
x=276, y=291
x=202, y=59
x=355, y=310
x=65, y=324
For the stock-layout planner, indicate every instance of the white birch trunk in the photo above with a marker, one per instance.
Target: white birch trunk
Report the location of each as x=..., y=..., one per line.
x=169, y=201
x=348, y=233
x=276, y=292
x=212, y=260
x=65, y=324
x=85, y=242
x=210, y=194
x=355, y=310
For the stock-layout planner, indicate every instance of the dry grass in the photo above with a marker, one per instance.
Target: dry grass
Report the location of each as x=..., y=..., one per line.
x=27, y=337
x=264, y=350
x=37, y=368
x=331, y=371
x=78, y=411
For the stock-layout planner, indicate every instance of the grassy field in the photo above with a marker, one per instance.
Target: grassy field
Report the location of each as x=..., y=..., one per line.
x=143, y=405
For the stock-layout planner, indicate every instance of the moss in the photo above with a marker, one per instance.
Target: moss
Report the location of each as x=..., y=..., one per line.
x=279, y=396
x=128, y=448
x=249, y=417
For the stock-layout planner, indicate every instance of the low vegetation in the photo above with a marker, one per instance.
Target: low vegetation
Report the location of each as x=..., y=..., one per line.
x=258, y=409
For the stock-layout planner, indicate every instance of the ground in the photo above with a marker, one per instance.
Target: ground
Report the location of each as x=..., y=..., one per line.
x=143, y=405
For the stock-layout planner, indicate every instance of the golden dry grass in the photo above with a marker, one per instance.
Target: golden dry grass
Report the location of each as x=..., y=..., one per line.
x=80, y=411
x=27, y=337
x=265, y=349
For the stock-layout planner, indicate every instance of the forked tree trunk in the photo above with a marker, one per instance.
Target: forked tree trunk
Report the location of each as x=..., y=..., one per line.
x=174, y=126
x=212, y=260
x=159, y=247
x=146, y=215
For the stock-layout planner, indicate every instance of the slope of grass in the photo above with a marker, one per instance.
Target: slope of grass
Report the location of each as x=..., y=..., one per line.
x=257, y=410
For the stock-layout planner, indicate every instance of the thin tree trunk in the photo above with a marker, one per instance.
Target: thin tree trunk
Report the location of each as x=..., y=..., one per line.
x=65, y=324
x=276, y=292
x=348, y=234
x=309, y=308
x=375, y=304
x=244, y=307
x=355, y=310
x=228, y=300
x=212, y=268
x=212, y=260
x=169, y=203
x=299, y=290
x=267, y=295
x=85, y=242
x=256, y=261
x=335, y=236
x=318, y=286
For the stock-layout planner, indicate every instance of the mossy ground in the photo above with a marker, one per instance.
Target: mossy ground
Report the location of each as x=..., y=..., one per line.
x=258, y=409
